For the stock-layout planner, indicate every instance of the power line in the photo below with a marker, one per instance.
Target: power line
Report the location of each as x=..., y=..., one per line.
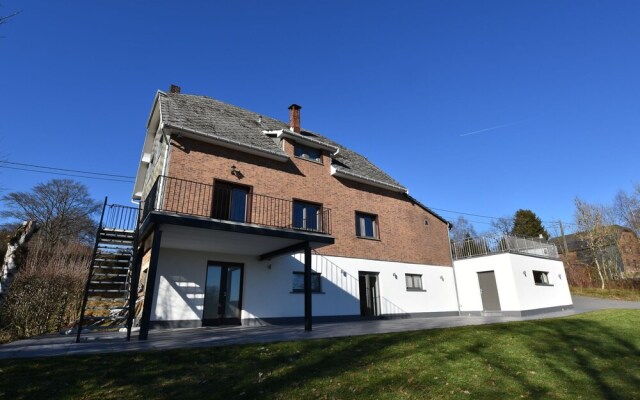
x=67, y=170
x=63, y=174
x=489, y=217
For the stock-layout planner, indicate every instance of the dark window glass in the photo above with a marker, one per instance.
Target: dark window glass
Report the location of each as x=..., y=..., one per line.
x=306, y=216
x=541, y=277
x=298, y=282
x=307, y=152
x=366, y=225
x=414, y=281
x=230, y=202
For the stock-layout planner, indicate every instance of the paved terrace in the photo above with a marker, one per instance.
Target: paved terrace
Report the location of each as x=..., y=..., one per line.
x=96, y=343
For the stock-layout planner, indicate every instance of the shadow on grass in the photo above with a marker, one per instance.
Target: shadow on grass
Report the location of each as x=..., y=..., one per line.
x=593, y=355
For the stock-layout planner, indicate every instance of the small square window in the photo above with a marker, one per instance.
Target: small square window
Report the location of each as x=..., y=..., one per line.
x=367, y=225
x=414, y=281
x=541, y=277
x=298, y=282
x=308, y=153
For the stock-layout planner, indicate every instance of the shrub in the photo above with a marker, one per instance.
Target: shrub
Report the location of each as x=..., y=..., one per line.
x=47, y=291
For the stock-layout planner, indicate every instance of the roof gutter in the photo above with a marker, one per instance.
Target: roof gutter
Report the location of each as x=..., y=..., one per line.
x=180, y=131
x=449, y=225
x=359, y=178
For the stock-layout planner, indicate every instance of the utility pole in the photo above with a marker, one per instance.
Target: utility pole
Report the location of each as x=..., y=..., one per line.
x=564, y=239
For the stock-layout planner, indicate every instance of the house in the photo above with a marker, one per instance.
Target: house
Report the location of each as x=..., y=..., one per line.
x=509, y=275
x=249, y=220
x=244, y=219
x=618, y=251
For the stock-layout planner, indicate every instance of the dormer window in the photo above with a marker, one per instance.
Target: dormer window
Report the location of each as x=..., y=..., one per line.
x=308, y=153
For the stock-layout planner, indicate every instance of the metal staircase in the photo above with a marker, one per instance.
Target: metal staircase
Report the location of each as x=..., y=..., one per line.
x=107, y=297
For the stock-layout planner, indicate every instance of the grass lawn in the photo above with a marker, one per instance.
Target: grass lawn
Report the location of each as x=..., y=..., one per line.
x=594, y=355
x=614, y=294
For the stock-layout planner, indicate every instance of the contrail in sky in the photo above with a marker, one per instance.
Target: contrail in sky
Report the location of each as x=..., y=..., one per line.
x=494, y=127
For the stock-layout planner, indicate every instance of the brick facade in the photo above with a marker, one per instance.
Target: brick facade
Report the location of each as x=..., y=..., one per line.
x=404, y=236
x=629, y=246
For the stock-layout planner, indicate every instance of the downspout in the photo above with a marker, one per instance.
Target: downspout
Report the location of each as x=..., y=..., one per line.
x=163, y=172
x=455, y=280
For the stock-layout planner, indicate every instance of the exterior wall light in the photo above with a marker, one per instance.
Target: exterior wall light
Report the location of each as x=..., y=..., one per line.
x=524, y=273
x=236, y=172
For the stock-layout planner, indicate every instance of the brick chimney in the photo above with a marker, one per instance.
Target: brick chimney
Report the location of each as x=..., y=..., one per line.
x=174, y=89
x=294, y=117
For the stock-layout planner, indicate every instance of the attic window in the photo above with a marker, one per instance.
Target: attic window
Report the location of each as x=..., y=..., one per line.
x=308, y=153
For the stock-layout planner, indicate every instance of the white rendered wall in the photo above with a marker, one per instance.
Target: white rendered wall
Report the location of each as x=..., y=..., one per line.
x=532, y=296
x=267, y=286
x=517, y=291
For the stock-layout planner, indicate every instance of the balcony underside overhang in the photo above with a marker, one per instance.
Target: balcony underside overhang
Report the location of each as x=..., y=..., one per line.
x=228, y=237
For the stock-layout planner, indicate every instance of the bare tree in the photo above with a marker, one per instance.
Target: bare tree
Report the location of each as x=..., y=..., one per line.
x=597, y=236
x=503, y=225
x=462, y=229
x=626, y=207
x=16, y=243
x=61, y=207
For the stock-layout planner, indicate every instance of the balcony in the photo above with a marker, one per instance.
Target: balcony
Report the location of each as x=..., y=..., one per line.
x=235, y=205
x=499, y=243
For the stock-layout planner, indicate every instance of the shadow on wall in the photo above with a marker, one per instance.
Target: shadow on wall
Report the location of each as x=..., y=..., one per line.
x=347, y=283
x=190, y=292
x=343, y=290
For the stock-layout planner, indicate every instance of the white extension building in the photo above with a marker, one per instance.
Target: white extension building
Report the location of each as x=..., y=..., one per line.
x=508, y=275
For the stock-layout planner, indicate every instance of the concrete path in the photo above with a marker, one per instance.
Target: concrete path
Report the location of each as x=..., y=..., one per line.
x=97, y=343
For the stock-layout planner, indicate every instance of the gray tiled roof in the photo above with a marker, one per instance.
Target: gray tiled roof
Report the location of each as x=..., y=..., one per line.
x=213, y=118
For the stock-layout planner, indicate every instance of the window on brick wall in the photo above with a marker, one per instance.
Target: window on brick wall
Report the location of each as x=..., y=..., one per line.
x=367, y=225
x=307, y=216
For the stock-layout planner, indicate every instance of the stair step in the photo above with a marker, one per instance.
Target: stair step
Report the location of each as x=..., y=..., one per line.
x=110, y=317
x=110, y=267
x=112, y=260
x=110, y=275
x=107, y=282
x=106, y=308
x=121, y=248
x=107, y=229
x=108, y=291
x=110, y=299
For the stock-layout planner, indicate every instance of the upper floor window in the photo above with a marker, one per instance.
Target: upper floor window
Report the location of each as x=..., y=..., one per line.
x=307, y=216
x=230, y=202
x=367, y=225
x=308, y=153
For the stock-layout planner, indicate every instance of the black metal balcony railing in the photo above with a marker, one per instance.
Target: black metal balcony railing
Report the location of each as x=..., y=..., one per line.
x=119, y=217
x=233, y=203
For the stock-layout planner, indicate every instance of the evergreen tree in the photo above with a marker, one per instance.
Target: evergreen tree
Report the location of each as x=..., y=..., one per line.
x=527, y=223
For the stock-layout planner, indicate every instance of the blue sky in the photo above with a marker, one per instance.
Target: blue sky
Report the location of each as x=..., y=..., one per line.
x=415, y=86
